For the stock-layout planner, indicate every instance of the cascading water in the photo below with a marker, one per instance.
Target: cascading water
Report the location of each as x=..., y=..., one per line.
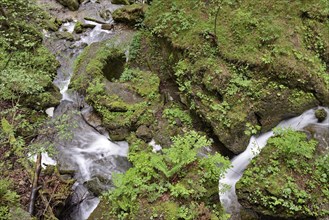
x=239, y=163
x=90, y=154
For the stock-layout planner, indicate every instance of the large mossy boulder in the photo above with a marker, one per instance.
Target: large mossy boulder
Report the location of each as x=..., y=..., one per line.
x=130, y=14
x=256, y=68
x=288, y=179
x=124, y=98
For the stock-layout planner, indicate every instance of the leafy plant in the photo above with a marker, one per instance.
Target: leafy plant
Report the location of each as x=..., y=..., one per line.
x=169, y=174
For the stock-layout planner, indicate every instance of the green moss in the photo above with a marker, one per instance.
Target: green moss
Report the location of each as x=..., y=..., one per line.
x=130, y=14
x=272, y=184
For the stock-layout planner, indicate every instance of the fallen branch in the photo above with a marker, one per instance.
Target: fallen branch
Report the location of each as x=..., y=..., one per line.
x=35, y=187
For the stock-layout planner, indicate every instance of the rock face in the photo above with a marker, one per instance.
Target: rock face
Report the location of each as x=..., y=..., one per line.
x=73, y=5
x=225, y=78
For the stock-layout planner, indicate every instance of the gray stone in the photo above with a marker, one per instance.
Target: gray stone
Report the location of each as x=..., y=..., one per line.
x=73, y=5
x=144, y=133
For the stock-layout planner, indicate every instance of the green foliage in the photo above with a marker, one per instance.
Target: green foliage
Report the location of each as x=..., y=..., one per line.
x=273, y=180
x=174, y=113
x=292, y=144
x=8, y=199
x=135, y=45
x=26, y=73
x=251, y=129
x=20, y=23
x=179, y=173
x=176, y=21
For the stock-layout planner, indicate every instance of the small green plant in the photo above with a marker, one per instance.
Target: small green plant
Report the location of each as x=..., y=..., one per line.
x=273, y=178
x=169, y=174
x=8, y=199
x=252, y=129
x=174, y=113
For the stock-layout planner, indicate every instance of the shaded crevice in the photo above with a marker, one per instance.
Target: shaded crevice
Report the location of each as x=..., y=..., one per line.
x=114, y=67
x=258, y=118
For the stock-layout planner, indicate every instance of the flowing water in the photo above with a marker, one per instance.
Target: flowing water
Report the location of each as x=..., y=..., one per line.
x=88, y=152
x=256, y=143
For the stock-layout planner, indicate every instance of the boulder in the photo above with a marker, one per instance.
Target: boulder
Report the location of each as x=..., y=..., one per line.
x=65, y=35
x=97, y=185
x=321, y=114
x=78, y=28
x=130, y=14
x=144, y=133
x=120, y=2
x=107, y=26
x=73, y=5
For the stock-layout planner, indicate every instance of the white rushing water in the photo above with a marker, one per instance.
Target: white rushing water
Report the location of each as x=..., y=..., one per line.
x=89, y=153
x=256, y=143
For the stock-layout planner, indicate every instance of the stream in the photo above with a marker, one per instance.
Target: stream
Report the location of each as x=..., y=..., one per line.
x=93, y=157
x=239, y=163
x=88, y=153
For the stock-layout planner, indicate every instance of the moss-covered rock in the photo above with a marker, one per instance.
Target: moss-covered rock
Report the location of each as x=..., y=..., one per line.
x=321, y=114
x=73, y=5
x=120, y=2
x=124, y=99
x=286, y=180
x=236, y=85
x=130, y=14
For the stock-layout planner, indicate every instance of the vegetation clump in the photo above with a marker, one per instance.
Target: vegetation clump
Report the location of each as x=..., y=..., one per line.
x=287, y=179
x=174, y=184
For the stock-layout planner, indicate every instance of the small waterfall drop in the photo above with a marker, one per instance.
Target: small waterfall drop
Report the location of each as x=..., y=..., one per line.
x=239, y=163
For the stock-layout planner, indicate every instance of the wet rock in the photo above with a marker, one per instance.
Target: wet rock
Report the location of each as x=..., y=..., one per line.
x=94, y=20
x=78, y=28
x=65, y=35
x=73, y=5
x=107, y=26
x=120, y=2
x=321, y=114
x=91, y=118
x=144, y=133
x=321, y=134
x=91, y=26
x=130, y=14
x=97, y=185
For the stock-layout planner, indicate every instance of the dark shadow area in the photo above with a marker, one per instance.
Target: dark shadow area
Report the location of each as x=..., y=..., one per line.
x=114, y=67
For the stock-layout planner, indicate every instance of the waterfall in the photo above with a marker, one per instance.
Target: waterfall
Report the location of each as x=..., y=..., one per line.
x=239, y=163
